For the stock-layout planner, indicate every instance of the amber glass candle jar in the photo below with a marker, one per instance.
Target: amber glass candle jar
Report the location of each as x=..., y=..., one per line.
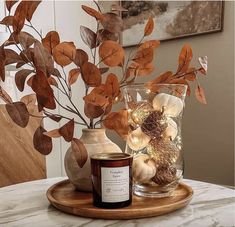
x=111, y=176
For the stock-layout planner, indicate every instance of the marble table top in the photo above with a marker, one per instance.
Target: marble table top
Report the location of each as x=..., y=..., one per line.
x=26, y=205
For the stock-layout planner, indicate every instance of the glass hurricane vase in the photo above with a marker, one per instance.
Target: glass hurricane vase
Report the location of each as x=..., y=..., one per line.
x=154, y=137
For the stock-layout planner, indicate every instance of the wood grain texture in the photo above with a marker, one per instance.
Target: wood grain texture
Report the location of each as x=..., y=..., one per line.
x=19, y=161
x=64, y=197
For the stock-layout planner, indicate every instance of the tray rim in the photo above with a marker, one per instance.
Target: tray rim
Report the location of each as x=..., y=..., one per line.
x=58, y=205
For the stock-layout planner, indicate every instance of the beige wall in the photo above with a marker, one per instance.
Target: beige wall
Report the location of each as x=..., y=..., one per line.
x=208, y=130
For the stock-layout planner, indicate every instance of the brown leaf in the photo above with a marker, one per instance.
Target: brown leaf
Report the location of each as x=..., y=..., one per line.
x=20, y=78
x=26, y=40
x=32, y=6
x=91, y=74
x=200, y=95
x=112, y=86
x=18, y=113
x=19, y=16
x=161, y=79
x=96, y=99
x=140, y=70
x=4, y=96
x=118, y=121
x=144, y=56
x=185, y=58
x=2, y=63
x=93, y=12
x=44, y=92
x=67, y=131
x=104, y=35
x=111, y=53
x=119, y=8
x=8, y=21
x=53, y=117
x=12, y=57
x=79, y=151
x=10, y=4
x=30, y=81
x=149, y=27
x=112, y=22
x=53, y=133
x=149, y=44
x=52, y=81
x=92, y=111
x=73, y=76
x=42, y=59
x=64, y=53
x=51, y=40
x=81, y=57
x=41, y=142
x=103, y=70
x=88, y=37
x=29, y=100
x=203, y=62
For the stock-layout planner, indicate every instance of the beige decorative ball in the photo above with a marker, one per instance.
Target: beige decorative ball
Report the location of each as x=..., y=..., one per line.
x=143, y=168
x=137, y=140
x=172, y=105
x=171, y=130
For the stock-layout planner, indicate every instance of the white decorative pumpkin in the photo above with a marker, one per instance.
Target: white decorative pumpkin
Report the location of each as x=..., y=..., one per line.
x=172, y=105
x=171, y=130
x=137, y=140
x=143, y=168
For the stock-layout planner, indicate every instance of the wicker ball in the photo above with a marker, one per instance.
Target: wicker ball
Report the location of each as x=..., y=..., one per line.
x=164, y=175
x=154, y=125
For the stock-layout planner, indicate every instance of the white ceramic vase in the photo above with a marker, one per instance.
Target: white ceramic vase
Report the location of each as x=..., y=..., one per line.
x=95, y=141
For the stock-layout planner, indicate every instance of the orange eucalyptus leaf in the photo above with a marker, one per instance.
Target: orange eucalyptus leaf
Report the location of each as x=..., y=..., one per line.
x=203, y=62
x=144, y=56
x=185, y=58
x=20, y=78
x=67, y=131
x=53, y=133
x=92, y=12
x=81, y=57
x=32, y=6
x=10, y=4
x=51, y=40
x=149, y=27
x=111, y=53
x=91, y=74
x=41, y=142
x=92, y=111
x=112, y=86
x=79, y=151
x=64, y=53
x=149, y=44
x=200, y=95
x=18, y=113
x=44, y=92
x=73, y=76
x=52, y=81
x=118, y=122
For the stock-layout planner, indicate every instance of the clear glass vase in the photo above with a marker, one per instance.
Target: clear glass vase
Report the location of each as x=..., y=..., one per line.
x=154, y=137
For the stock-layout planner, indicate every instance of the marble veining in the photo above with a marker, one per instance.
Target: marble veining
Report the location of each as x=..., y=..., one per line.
x=26, y=205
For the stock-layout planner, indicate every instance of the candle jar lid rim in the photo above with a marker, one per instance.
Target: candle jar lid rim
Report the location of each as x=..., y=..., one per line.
x=111, y=156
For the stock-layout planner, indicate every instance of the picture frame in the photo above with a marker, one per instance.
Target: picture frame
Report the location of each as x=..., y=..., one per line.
x=173, y=19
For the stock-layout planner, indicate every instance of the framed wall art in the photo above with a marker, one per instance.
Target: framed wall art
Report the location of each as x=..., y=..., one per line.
x=173, y=19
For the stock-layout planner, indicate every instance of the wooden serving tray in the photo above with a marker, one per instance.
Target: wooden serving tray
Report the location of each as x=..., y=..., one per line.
x=64, y=197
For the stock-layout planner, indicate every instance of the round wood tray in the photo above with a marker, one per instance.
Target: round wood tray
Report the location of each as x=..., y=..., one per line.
x=64, y=197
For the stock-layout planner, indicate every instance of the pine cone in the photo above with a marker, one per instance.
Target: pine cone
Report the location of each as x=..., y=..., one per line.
x=154, y=125
x=163, y=152
x=164, y=175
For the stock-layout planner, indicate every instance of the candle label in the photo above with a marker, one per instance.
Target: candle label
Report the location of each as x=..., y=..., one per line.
x=115, y=184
